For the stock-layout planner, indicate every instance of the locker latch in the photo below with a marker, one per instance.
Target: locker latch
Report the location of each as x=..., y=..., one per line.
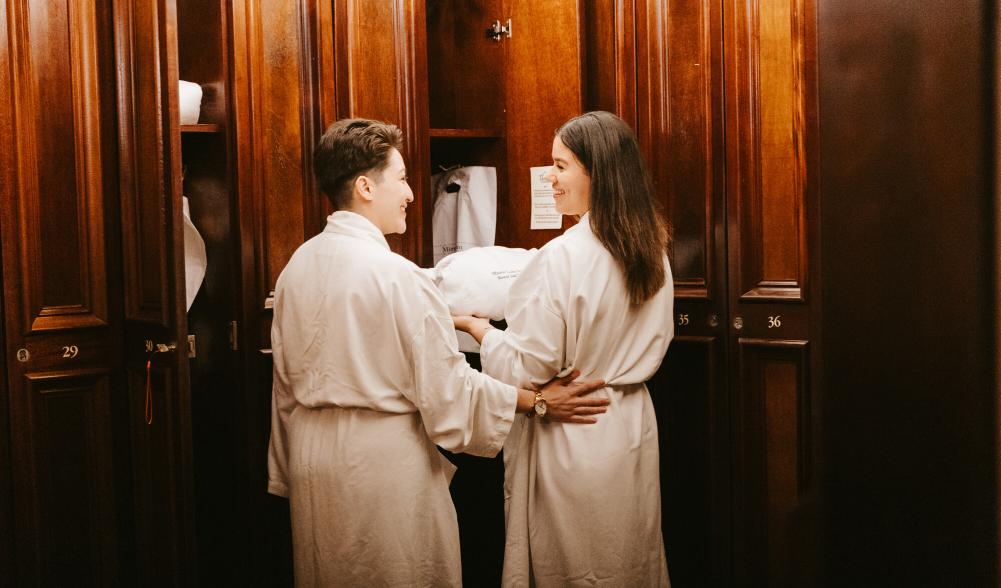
x=498, y=30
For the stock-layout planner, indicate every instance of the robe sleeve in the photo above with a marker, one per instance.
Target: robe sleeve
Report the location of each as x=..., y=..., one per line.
x=283, y=402
x=533, y=348
x=462, y=409
x=281, y=409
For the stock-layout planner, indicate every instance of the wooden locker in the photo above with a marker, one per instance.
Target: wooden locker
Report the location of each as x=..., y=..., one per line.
x=93, y=279
x=911, y=247
x=727, y=114
x=482, y=91
x=156, y=410
x=772, y=156
x=98, y=498
x=57, y=117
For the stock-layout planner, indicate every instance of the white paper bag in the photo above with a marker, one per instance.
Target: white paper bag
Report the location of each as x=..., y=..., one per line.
x=465, y=209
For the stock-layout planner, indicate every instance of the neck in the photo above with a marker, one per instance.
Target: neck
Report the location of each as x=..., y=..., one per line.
x=363, y=211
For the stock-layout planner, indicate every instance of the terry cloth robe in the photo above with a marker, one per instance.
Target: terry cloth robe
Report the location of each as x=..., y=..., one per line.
x=582, y=503
x=367, y=379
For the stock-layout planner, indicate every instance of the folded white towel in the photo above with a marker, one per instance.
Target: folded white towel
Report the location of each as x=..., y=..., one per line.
x=195, y=260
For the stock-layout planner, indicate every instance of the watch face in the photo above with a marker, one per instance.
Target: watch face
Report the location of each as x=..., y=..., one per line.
x=540, y=407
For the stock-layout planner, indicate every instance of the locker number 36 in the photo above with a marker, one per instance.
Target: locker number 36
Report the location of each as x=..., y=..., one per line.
x=775, y=322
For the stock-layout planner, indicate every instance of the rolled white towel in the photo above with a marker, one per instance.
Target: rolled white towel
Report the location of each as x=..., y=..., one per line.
x=189, y=98
x=476, y=281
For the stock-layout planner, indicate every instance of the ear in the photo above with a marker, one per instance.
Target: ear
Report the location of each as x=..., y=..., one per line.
x=363, y=188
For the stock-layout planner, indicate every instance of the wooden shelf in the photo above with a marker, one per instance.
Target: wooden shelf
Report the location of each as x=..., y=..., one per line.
x=203, y=128
x=466, y=134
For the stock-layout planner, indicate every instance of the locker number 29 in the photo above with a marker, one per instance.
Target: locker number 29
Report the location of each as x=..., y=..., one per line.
x=70, y=351
x=683, y=319
x=775, y=322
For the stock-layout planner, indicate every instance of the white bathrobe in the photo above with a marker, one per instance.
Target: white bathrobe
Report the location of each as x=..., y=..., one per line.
x=367, y=380
x=582, y=502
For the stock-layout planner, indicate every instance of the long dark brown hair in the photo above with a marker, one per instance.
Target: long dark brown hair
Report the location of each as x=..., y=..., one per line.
x=624, y=215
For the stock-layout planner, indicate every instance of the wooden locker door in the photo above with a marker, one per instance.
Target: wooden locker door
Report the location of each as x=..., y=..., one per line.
x=772, y=200
x=59, y=304
x=543, y=90
x=384, y=77
x=158, y=404
x=680, y=126
x=280, y=100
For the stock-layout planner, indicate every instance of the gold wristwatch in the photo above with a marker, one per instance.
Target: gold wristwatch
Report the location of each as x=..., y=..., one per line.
x=539, y=408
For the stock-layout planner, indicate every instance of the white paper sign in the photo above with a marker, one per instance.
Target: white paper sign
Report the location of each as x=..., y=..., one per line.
x=544, y=215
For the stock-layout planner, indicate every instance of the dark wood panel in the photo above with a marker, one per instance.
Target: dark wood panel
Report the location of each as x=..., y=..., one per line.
x=66, y=480
x=608, y=56
x=690, y=397
x=680, y=127
x=276, y=134
x=465, y=67
x=910, y=233
x=544, y=90
x=7, y=166
x=163, y=549
x=416, y=243
x=386, y=74
x=203, y=55
x=773, y=467
x=319, y=106
x=693, y=143
x=58, y=176
x=598, y=44
x=152, y=249
x=770, y=93
x=217, y=399
x=274, y=45
x=325, y=75
x=54, y=243
x=375, y=40
x=56, y=102
x=141, y=154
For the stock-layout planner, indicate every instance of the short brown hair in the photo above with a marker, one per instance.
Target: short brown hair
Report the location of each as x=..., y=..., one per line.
x=349, y=148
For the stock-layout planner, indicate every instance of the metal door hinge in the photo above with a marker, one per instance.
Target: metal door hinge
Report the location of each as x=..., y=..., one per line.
x=191, y=346
x=234, y=340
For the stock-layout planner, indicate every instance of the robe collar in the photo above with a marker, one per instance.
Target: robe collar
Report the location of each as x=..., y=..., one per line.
x=355, y=225
x=584, y=224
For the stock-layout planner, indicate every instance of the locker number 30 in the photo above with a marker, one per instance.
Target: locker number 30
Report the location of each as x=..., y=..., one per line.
x=775, y=322
x=683, y=319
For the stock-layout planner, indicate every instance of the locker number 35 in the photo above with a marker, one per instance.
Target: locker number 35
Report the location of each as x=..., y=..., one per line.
x=683, y=319
x=775, y=322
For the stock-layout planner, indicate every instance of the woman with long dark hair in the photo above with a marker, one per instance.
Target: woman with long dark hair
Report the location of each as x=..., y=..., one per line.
x=583, y=504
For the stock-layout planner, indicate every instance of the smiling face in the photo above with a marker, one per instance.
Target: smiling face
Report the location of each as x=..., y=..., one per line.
x=571, y=182
x=386, y=195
